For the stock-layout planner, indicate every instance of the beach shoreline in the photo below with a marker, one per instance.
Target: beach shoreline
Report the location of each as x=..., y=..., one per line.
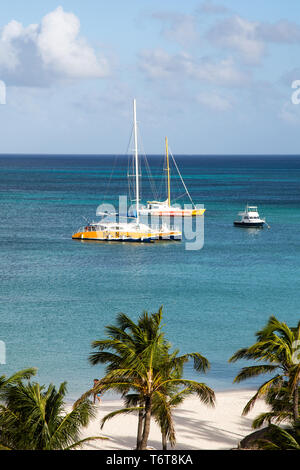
x=111, y=397
x=198, y=427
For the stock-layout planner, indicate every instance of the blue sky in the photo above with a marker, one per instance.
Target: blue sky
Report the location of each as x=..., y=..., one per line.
x=214, y=76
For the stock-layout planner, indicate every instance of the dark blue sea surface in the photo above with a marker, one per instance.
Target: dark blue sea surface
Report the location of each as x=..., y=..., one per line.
x=58, y=294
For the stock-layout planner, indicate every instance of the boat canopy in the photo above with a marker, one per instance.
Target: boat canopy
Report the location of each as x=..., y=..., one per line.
x=158, y=202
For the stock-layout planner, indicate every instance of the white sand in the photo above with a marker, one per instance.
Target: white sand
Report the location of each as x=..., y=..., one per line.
x=197, y=426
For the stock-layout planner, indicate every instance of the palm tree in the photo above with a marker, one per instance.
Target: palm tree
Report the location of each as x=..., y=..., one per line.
x=280, y=402
x=126, y=341
x=34, y=418
x=138, y=361
x=277, y=346
x=173, y=394
x=162, y=410
x=277, y=438
x=16, y=377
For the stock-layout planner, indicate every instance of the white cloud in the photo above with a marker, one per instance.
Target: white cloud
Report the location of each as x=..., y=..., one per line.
x=210, y=8
x=61, y=47
x=223, y=72
x=177, y=27
x=39, y=54
x=240, y=35
x=290, y=113
x=214, y=101
x=250, y=38
x=158, y=64
x=290, y=76
x=281, y=32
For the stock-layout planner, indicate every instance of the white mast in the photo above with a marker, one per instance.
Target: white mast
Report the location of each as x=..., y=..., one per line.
x=137, y=189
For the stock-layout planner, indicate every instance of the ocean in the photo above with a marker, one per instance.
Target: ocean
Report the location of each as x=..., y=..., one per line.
x=58, y=294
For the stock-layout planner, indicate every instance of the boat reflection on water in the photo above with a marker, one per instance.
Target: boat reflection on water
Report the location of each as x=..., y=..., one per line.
x=253, y=232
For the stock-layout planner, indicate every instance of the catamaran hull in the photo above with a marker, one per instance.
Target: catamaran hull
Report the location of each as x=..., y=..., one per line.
x=118, y=240
x=171, y=237
x=127, y=237
x=115, y=237
x=118, y=237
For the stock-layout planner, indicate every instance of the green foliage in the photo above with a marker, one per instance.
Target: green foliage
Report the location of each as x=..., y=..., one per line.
x=275, y=346
x=140, y=366
x=34, y=418
x=278, y=438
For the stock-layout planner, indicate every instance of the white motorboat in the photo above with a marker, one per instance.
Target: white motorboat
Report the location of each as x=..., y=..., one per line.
x=250, y=218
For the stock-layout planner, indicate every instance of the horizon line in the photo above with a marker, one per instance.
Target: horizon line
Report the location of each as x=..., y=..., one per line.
x=156, y=154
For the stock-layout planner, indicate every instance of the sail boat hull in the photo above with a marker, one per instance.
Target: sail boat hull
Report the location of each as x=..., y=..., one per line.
x=125, y=234
x=168, y=211
x=113, y=238
x=98, y=236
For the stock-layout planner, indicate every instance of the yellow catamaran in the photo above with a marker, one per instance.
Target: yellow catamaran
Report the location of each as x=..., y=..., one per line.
x=165, y=208
x=128, y=231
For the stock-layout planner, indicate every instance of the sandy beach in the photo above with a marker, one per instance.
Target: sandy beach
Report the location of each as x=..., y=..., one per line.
x=198, y=427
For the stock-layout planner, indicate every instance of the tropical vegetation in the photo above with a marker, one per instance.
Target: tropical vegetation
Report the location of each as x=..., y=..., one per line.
x=278, y=438
x=33, y=417
x=141, y=366
x=277, y=346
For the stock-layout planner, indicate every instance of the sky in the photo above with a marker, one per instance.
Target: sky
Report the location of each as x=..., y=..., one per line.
x=214, y=76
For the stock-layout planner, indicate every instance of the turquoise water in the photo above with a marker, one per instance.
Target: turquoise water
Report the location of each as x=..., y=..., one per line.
x=57, y=294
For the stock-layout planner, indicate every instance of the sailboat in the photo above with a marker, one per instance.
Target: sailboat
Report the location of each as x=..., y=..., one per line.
x=161, y=208
x=127, y=231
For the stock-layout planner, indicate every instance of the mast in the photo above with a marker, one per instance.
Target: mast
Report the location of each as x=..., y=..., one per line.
x=137, y=189
x=168, y=173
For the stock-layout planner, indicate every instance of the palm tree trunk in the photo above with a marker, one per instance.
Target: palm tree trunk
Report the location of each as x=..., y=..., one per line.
x=296, y=402
x=140, y=430
x=164, y=440
x=147, y=421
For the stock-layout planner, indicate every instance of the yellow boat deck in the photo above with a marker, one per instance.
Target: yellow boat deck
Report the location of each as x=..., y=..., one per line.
x=110, y=235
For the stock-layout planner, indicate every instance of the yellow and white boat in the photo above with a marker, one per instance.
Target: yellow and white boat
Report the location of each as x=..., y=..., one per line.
x=132, y=231
x=125, y=232
x=158, y=208
x=115, y=231
x=165, y=208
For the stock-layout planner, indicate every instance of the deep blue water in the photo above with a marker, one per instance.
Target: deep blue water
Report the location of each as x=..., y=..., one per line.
x=57, y=294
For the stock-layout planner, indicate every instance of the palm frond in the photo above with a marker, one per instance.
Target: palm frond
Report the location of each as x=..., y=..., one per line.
x=113, y=414
x=253, y=371
x=84, y=441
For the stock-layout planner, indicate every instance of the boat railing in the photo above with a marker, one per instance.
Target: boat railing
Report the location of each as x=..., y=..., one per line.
x=156, y=227
x=106, y=231
x=159, y=228
x=81, y=229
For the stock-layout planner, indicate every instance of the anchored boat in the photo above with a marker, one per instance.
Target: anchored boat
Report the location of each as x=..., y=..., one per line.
x=250, y=218
x=131, y=230
x=165, y=208
x=106, y=230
